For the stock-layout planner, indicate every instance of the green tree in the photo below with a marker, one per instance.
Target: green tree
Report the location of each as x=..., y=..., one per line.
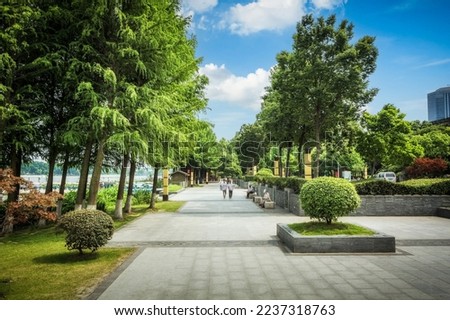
x=386, y=140
x=20, y=51
x=283, y=125
x=326, y=75
x=434, y=139
x=249, y=143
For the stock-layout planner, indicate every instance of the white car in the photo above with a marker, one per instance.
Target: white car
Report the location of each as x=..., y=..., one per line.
x=388, y=176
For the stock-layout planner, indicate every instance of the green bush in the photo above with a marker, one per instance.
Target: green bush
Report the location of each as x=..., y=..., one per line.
x=106, y=198
x=381, y=187
x=264, y=172
x=86, y=229
x=295, y=183
x=439, y=188
x=326, y=198
x=68, y=202
x=142, y=197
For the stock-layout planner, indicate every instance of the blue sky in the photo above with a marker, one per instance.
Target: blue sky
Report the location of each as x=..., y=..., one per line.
x=238, y=42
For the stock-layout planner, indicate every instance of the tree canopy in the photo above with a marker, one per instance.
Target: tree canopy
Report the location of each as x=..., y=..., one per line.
x=89, y=83
x=322, y=83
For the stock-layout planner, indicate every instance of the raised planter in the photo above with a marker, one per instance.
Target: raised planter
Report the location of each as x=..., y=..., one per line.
x=443, y=212
x=297, y=243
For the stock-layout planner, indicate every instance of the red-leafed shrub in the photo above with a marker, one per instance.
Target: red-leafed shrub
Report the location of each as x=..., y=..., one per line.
x=32, y=205
x=427, y=168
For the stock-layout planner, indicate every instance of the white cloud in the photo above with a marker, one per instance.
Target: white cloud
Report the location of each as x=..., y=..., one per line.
x=244, y=91
x=327, y=4
x=434, y=63
x=261, y=15
x=199, y=6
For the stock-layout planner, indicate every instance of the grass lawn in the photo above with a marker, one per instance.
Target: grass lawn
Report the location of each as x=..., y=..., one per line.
x=315, y=228
x=36, y=265
x=174, y=187
x=169, y=206
x=423, y=182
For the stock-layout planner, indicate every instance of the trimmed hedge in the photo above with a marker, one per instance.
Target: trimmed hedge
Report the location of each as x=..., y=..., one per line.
x=368, y=187
x=294, y=183
x=381, y=187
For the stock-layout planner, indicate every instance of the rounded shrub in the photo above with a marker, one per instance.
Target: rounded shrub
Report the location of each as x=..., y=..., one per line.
x=86, y=229
x=327, y=198
x=264, y=172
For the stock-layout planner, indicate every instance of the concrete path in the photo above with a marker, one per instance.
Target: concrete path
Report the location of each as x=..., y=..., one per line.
x=225, y=249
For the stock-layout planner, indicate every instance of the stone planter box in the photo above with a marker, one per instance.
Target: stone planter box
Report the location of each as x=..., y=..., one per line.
x=297, y=243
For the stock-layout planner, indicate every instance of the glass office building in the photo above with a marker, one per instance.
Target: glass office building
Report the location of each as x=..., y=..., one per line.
x=439, y=104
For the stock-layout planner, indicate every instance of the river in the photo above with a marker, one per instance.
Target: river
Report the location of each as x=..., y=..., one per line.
x=41, y=180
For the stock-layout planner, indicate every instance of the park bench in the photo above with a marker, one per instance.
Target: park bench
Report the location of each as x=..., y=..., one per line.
x=257, y=199
x=269, y=205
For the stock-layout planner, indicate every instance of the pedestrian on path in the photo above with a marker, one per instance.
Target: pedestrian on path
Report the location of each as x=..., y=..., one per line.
x=223, y=187
x=230, y=187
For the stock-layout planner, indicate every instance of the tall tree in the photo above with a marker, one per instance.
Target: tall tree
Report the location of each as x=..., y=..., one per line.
x=326, y=75
x=250, y=144
x=19, y=50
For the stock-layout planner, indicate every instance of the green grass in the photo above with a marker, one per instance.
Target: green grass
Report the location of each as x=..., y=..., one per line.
x=423, y=182
x=174, y=187
x=169, y=206
x=337, y=228
x=141, y=209
x=36, y=265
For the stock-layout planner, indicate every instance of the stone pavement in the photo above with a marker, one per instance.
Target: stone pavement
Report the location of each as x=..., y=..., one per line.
x=223, y=249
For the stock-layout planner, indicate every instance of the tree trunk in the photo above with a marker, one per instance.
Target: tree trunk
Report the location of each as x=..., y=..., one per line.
x=82, y=183
x=51, y=168
x=300, y=161
x=288, y=155
x=62, y=186
x=118, y=213
x=8, y=224
x=16, y=167
x=318, y=149
x=301, y=141
x=96, y=174
x=65, y=168
x=280, y=161
x=130, y=187
x=154, y=193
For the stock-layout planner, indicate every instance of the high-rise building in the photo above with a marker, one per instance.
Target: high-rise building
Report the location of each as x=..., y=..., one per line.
x=439, y=104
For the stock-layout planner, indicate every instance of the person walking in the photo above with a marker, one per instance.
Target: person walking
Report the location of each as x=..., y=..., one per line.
x=223, y=187
x=230, y=187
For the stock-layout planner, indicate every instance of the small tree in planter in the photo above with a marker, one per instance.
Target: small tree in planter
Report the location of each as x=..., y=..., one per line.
x=86, y=229
x=326, y=198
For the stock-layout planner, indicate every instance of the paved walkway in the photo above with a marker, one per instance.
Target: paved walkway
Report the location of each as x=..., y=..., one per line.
x=225, y=249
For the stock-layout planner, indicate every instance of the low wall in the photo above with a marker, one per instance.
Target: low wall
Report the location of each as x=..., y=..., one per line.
x=402, y=205
x=391, y=205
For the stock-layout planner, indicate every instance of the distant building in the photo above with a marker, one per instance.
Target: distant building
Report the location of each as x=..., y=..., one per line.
x=180, y=177
x=439, y=105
